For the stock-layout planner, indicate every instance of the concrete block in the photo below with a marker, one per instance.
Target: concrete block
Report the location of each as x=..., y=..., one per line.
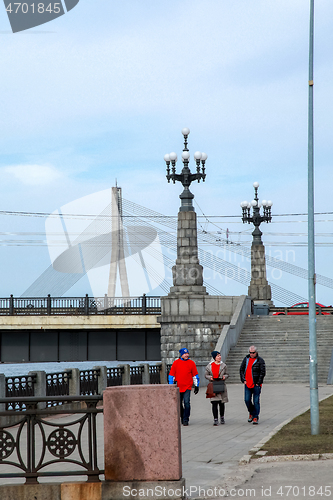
x=174, y=307
x=184, y=307
x=196, y=306
x=211, y=305
x=74, y=382
x=40, y=386
x=81, y=491
x=145, y=375
x=102, y=378
x=133, y=450
x=30, y=492
x=126, y=378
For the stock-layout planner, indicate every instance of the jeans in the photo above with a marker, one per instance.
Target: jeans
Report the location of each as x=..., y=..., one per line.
x=253, y=407
x=185, y=406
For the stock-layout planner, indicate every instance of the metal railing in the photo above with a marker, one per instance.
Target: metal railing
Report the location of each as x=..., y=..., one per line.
x=155, y=374
x=301, y=310
x=84, y=383
x=57, y=384
x=136, y=374
x=115, y=376
x=35, y=443
x=76, y=306
x=18, y=387
x=89, y=382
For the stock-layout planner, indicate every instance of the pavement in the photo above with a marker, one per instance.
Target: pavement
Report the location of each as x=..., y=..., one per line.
x=211, y=454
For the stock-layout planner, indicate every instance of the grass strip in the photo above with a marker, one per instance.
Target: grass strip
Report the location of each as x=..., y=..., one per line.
x=295, y=438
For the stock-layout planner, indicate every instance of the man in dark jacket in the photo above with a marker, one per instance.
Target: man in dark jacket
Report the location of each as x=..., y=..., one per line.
x=252, y=372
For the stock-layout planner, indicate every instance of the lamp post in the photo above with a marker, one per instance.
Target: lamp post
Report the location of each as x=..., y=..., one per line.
x=259, y=289
x=187, y=273
x=256, y=217
x=186, y=177
x=314, y=397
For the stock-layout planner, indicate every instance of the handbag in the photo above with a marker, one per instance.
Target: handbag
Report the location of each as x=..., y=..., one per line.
x=218, y=386
x=209, y=391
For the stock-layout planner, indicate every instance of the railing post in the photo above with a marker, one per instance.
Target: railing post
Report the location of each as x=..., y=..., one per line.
x=74, y=382
x=145, y=374
x=144, y=303
x=3, y=420
x=48, y=305
x=86, y=305
x=106, y=305
x=11, y=305
x=102, y=378
x=126, y=376
x=163, y=373
x=39, y=387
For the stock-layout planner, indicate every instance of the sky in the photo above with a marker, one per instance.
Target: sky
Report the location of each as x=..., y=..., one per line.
x=102, y=93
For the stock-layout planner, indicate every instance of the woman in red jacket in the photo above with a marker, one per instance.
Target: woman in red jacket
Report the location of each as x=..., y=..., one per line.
x=217, y=370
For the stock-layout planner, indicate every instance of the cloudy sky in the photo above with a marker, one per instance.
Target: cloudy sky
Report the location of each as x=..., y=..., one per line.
x=103, y=92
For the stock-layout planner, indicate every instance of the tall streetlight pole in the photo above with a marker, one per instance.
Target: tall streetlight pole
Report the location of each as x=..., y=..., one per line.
x=314, y=401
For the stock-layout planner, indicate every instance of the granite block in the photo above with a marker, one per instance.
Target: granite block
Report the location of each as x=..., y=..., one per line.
x=81, y=491
x=135, y=450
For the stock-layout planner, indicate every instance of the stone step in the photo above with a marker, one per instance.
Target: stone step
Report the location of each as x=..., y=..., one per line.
x=284, y=344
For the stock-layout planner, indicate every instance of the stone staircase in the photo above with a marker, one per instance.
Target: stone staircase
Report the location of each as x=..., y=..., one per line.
x=283, y=342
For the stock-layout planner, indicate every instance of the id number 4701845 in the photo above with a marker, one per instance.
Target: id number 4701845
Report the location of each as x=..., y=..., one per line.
x=33, y=8
x=304, y=491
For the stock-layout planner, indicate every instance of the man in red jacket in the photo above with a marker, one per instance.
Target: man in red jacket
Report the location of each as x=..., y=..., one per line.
x=185, y=374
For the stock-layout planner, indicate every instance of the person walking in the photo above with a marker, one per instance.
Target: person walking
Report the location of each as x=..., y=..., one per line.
x=184, y=372
x=252, y=372
x=217, y=370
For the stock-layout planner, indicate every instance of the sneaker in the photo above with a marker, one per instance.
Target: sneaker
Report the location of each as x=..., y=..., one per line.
x=216, y=422
x=222, y=420
x=185, y=422
x=255, y=421
x=250, y=418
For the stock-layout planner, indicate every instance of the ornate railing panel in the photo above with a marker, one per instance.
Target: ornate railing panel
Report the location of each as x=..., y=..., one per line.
x=114, y=376
x=155, y=374
x=136, y=374
x=36, y=447
x=79, y=305
x=18, y=387
x=57, y=384
x=89, y=382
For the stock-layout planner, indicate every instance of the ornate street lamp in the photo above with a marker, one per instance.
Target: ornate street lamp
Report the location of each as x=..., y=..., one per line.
x=186, y=177
x=256, y=218
x=259, y=289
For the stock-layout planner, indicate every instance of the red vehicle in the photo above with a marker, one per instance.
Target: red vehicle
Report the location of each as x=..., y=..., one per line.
x=301, y=308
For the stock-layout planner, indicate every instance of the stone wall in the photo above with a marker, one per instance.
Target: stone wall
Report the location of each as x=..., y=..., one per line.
x=195, y=322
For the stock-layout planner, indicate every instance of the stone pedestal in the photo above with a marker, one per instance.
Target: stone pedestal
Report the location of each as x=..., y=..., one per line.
x=142, y=433
x=187, y=273
x=259, y=289
x=193, y=321
x=189, y=316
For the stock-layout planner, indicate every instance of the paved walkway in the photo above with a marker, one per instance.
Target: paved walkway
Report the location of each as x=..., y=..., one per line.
x=211, y=454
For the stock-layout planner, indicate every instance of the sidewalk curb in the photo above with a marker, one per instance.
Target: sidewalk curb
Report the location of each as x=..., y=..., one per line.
x=246, y=459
